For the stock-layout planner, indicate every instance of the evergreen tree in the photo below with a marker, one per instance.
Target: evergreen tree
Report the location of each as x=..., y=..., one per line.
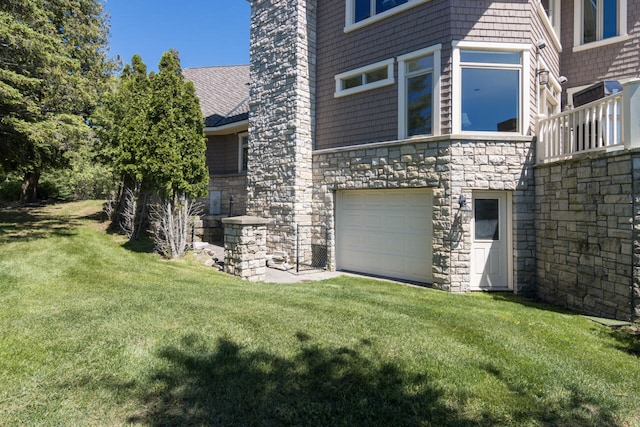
x=53, y=68
x=177, y=165
x=154, y=129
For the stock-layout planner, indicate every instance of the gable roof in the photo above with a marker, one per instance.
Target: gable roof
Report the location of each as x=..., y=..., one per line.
x=223, y=93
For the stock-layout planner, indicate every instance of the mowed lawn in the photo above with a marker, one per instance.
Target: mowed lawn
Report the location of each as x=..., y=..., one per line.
x=98, y=332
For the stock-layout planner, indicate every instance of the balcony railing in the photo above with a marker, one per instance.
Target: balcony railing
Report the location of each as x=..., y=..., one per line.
x=607, y=124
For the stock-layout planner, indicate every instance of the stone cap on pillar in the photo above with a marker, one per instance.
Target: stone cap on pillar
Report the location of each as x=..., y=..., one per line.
x=245, y=220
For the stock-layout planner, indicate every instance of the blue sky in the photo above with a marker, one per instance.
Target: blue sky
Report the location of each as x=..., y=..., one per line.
x=205, y=32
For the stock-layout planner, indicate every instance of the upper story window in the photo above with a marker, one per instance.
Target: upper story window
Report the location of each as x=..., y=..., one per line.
x=363, y=12
x=549, y=11
x=243, y=151
x=419, y=93
x=365, y=78
x=599, y=22
x=489, y=90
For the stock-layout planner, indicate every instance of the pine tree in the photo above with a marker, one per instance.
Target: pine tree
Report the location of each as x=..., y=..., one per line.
x=53, y=68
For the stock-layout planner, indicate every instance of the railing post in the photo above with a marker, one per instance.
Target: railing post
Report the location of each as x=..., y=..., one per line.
x=631, y=112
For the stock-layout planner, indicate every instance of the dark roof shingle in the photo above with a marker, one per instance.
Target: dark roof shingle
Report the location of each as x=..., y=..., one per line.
x=223, y=92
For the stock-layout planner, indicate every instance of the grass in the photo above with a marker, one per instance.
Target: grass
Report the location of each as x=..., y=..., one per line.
x=95, y=332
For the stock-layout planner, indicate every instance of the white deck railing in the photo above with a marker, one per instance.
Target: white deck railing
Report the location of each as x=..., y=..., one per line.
x=596, y=126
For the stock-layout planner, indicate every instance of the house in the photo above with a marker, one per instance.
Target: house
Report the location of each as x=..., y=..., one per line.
x=224, y=100
x=470, y=145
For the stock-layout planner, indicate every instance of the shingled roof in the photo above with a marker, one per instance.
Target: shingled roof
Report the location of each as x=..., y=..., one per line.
x=223, y=92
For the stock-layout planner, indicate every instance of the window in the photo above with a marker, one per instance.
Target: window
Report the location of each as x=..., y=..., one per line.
x=549, y=98
x=599, y=21
x=489, y=90
x=243, y=151
x=486, y=219
x=419, y=93
x=363, y=12
x=549, y=11
x=365, y=78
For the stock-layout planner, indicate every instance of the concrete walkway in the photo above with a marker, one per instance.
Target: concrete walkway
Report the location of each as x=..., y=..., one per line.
x=213, y=255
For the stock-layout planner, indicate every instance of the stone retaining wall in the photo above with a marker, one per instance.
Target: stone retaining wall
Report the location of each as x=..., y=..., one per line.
x=587, y=234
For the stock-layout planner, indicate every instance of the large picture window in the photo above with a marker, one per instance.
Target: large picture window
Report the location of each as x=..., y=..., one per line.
x=599, y=21
x=488, y=80
x=418, y=93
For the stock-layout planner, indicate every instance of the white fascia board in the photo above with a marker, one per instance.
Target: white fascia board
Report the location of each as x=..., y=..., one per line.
x=234, y=127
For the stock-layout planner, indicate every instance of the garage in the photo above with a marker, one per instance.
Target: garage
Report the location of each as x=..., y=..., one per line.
x=385, y=232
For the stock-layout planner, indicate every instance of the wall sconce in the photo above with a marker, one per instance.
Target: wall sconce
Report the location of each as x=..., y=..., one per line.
x=543, y=77
x=465, y=209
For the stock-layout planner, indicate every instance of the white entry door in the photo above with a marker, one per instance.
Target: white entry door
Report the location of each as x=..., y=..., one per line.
x=490, y=234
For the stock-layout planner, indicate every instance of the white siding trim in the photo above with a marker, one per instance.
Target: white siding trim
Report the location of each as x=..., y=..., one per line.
x=365, y=86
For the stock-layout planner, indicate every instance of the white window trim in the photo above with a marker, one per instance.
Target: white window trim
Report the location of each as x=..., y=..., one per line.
x=525, y=84
x=578, y=45
x=554, y=31
x=545, y=94
x=350, y=25
x=402, y=94
x=240, y=137
x=366, y=86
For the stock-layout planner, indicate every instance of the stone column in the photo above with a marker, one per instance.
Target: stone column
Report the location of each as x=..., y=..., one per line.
x=281, y=117
x=245, y=247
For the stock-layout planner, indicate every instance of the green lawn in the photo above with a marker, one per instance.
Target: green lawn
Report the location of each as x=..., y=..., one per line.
x=96, y=332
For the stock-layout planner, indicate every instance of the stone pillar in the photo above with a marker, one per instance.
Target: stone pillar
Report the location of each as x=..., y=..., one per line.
x=245, y=247
x=281, y=117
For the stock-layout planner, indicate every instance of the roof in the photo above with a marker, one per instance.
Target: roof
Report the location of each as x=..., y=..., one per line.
x=223, y=92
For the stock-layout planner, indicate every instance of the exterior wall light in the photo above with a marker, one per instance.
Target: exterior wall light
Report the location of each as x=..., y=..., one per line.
x=465, y=209
x=543, y=77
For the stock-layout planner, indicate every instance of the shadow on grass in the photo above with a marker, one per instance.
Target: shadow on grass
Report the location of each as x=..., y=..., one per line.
x=319, y=386
x=572, y=407
x=232, y=385
x=28, y=223
x=143, y=244
x=530, y=302
x=628, y=339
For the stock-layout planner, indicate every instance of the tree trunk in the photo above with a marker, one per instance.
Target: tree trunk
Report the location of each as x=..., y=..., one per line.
x=29, y=190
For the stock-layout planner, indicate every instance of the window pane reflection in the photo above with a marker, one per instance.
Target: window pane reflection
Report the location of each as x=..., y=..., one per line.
x=486, y=219
x=490, y=100
x=419, y=104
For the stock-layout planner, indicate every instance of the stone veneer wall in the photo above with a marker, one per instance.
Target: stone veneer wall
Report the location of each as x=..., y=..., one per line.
x=588, y=222
x=209, y=227
x=449, y=167
x=245, y=247
x=281, y=126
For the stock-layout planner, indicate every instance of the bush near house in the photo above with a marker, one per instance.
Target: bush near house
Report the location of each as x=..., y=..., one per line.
x=95, y=332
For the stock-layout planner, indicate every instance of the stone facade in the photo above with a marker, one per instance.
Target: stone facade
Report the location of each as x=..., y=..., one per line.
x=588, y=222
x=450, y=167
x=281, y=116
x=209, y=228
x=245, y=247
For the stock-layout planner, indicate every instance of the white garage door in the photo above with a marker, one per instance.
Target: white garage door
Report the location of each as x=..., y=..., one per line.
x=385, y=232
